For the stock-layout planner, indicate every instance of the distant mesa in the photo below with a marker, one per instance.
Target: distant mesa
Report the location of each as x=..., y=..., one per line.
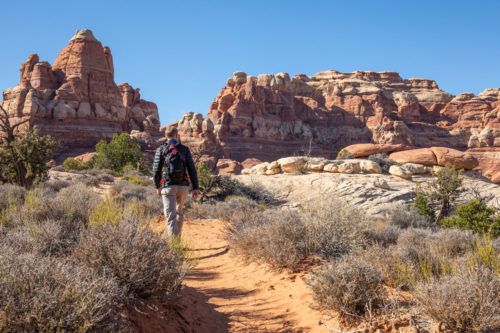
x=76, y=98
x=264, y=117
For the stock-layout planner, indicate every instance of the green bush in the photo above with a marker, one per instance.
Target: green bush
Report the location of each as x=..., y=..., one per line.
x=25, y=158
x=475, y=215
x=435, y=200
x=72, y=164
x=119, y=152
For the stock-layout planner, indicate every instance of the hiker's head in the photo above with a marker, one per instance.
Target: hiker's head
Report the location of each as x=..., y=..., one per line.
x=172, y=133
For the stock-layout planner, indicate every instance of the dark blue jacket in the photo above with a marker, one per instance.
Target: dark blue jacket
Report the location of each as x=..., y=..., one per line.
x=160, y=172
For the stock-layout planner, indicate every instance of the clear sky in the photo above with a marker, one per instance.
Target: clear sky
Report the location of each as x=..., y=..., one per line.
x=180, y=53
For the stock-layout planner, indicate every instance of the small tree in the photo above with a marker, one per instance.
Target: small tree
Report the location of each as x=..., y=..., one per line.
x=25, y=155
x=436, y=199
x=206, y=179
x=120, y=151
x=475, y=215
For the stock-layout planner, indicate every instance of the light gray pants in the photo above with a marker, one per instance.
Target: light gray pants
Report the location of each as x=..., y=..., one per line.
x=174, y=198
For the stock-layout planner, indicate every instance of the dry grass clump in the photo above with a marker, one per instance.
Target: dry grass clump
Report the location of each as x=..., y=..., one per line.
x=40, y=294
x=233, y=208
x=137, y=257
x=221, y=187
x=334, y=228
x=56, y=184
x=284, y=237
x=71, y=203
x=468, y=301
x=278, y=237
x=350, y=285
x=419, y=255
x=11, y=200
x=145, y=196
x=408, y=217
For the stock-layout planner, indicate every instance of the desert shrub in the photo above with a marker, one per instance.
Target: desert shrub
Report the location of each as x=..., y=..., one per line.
x=233, y=208
x=106, y=178
x=437, y=198
x=334, y=228
x=54, y=237
x=382, y=160
x=137, y=257
x=384, y=235
x=138, y=180
x=409, y=217
x=350, y=285
x=11, y=200
x=475, y=215
x=485, y=253
x=72, y=164
x=419, y=255
x=25, y=157
x=108, y=211
x=414, y=250
x=46, y=295
x=344, y=155
x=284, y=237
x=216, y=187
x=74, y=203
x=119, y=152
x=467, y=301
x=278, y=237
x=56, y=184
x=124, y=192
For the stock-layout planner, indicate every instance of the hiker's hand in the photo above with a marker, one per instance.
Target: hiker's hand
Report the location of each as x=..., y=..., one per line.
x=158, y=191
x=195, y=193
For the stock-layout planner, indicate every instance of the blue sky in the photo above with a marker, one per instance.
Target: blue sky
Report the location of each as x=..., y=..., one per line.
x=180, y=53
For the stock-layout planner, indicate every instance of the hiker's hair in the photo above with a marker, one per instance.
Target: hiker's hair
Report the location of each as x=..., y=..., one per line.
x=171, y=132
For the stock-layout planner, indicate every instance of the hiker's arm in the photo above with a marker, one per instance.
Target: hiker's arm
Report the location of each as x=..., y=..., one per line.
x=191, y=168
x=157, y=167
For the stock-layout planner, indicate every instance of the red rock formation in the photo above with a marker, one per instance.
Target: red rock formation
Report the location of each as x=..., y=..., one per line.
x=76, y=100
x=272, y=116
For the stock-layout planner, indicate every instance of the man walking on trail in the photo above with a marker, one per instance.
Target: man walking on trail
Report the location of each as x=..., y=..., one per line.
x=173, y=169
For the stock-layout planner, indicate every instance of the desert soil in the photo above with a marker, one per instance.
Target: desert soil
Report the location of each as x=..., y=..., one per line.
x=224, y=294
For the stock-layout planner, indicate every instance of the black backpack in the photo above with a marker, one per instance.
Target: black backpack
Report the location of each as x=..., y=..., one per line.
x=175, y=164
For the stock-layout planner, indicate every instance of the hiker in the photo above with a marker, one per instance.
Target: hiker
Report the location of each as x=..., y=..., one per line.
x=173, y=169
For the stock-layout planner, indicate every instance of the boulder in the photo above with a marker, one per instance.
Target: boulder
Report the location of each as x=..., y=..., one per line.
x=259, y=169
x=381, y=183
x=274, y=171
x=398, y=171
x=368, y=166
x=349, y=166
x=292, y=164
x=415, y=169
x=456, y=158
x=367, y=149
x=228, y=167
x=332, y=166
x=424, y=156
x=250, y=162
x=86, y=157
x=315, y=164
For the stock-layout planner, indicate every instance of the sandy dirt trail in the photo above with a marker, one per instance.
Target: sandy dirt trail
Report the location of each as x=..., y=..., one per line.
x=224, y=294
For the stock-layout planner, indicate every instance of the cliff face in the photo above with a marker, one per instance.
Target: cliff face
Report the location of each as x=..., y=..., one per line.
x=272, y=116
x=76, y=100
